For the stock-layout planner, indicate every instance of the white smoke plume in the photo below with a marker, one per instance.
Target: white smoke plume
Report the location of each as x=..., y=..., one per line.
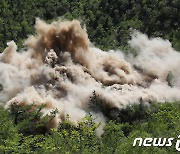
x=61, y=69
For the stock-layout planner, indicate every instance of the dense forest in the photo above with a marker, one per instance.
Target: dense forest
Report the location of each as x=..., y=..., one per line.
x=109, y=25
x=25, y=132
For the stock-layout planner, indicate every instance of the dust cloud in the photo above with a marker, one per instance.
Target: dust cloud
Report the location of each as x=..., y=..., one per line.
x=61, y=68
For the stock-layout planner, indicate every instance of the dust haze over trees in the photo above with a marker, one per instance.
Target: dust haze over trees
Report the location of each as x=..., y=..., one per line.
x=109, y=24
x=28, y=133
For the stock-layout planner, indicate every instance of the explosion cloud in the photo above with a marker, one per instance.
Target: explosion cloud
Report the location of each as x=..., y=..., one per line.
x=62, y=69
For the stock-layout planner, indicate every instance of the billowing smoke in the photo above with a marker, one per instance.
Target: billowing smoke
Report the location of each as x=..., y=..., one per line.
x=62, y=69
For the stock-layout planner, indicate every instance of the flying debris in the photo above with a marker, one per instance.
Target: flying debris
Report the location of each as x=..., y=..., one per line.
x=61, y=68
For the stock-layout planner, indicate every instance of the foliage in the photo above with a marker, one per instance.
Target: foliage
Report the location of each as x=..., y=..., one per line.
x=29, y=118
x=109, y=23
x=9, y=136
x=162, y=121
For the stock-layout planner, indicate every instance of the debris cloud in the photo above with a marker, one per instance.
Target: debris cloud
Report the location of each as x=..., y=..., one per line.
x=61, y=69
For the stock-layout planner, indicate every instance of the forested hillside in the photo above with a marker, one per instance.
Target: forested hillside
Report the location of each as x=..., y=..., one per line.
x=109, y=23
x=23, y=132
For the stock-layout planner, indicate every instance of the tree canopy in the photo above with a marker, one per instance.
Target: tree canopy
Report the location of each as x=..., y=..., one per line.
x=108, y=23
